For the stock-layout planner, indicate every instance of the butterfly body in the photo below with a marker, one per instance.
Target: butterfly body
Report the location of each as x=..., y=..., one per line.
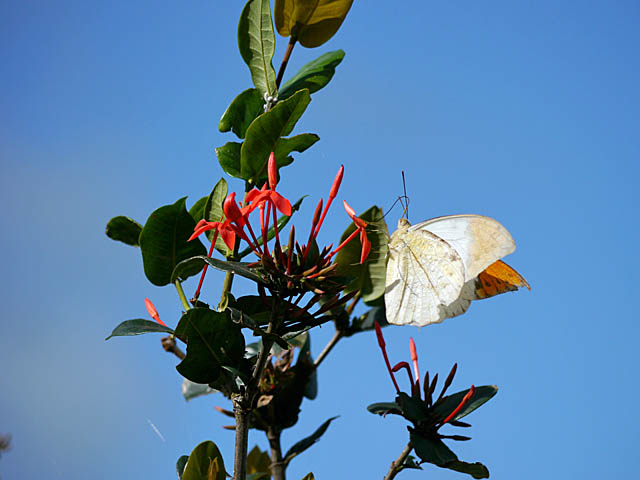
x=437, y=267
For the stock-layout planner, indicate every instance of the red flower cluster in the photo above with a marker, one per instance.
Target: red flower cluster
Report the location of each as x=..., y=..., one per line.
x=235, y=223
x=428, y=387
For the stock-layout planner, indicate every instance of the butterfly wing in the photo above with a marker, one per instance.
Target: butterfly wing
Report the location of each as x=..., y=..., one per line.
x=496, y=279
x=424, y=273
x=480, y=241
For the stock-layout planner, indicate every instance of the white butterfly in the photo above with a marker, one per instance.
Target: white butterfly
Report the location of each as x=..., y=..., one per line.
x=437, y=267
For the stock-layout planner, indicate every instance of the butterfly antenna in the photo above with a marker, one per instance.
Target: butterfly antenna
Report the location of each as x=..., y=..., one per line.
x=406, y=205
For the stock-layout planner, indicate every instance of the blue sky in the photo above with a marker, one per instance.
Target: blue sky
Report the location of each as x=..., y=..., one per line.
x=528, y=113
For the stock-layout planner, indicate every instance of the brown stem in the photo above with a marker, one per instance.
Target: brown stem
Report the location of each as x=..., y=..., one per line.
x=285, y=60
x=332, y=343
x=169, y=345
x=242, y=437
x=277, y=465
x=395, y=465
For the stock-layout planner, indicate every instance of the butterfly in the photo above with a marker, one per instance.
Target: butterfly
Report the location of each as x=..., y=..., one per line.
x=437, y=267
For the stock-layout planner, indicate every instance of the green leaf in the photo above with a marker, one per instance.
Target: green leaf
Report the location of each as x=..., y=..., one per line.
x=258, y=462
x=297, y=143
x=205, y=463
x=448, y=404
x=138, y=326
x=311, y=23
x=197, y=210
x=256, y=42
x=164, y=244
x=367, y=321
x=313, y=75
x=265, y=132
x=309, y=476
x=213, y=340
x=244, y=109
x=282, y=222
x=125, y=230
x=432, y=450
x=191, y=390
x=370, y=276
x=213, y=211
x=414, y=409
x=180, y=464
x=384, y=408
x=239, y=268
x=476, y=470
x=306, y=442
x=229, y=158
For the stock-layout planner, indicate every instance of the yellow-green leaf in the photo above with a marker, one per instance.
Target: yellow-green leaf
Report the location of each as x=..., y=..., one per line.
x=311, y=22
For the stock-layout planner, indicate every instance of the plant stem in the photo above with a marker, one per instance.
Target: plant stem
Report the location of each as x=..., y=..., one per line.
x=332, y=343
x=394, y=468
x=242, y=437
x=277, y=465
x=285, y=60
x=169, y=345
x=226, y=289
x=182, y=296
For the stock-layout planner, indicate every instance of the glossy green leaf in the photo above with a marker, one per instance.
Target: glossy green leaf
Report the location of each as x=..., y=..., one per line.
x=265, y=132
x=213, y=212
x=213, y=340
x=312, y=23
x=164, y=244
x=282, y=222
x=448, y=404
x=432, y=450
x=239, y=268
x=180, y=464
x=313, y=75
x=384, y=408
x=309, y=476
x=297, y=143
x=307, y=442
x=229, y=158
x=197, y=209
x=476, y=470
x=205, y=463
x=256, y=42
x=244, y=109
x=413, y=408
x=191, y=390
x=258, y=462
x=370, y=276
x=138, y=326
x=125, y=230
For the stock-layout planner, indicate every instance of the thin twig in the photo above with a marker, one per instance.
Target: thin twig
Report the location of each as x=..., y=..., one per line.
x=332, y=343
x=394, y=469
x=169, y=345
x=285, y=60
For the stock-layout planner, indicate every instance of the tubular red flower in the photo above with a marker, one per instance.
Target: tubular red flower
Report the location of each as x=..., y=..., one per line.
x=332, y=194
x=272, y=170
x=336, y=183
x=405, y=365
x=383, y=347
x=152, y=311
x=352, y=213
x=464, y=401
x=414, y=360
x=232, y=211
x=366, y=245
